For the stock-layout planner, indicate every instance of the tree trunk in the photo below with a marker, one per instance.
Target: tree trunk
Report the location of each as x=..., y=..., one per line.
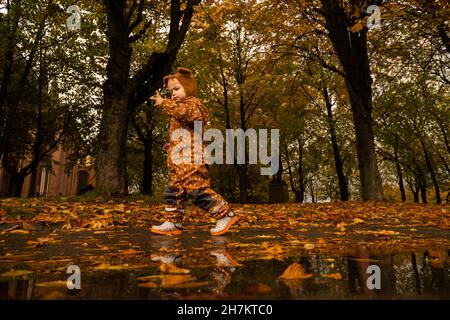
x=291, y=176
x=19, y=180
x=433, y=175
x=32, y=191
x=414, y=187
x=148, y=167
x=242, y=169
x=351, y=48
x=311, y=188
x=343, y=185
x=400, y=175
x=111, y=174
x=110, y=165
x=416, y=272
x=243, y=179
x=423, y=189
x=416, y=196
x=301, y=178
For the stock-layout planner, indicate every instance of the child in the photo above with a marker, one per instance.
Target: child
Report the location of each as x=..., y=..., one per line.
x=188, y=178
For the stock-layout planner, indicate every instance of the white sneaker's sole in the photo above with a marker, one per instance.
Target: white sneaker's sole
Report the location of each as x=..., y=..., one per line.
x=224, y=230
x=167, y=233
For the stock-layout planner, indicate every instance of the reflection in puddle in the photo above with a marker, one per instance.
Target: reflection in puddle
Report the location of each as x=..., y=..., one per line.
x=215, y=274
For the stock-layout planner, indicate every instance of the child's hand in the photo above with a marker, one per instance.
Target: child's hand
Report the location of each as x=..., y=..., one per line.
x=158, y=100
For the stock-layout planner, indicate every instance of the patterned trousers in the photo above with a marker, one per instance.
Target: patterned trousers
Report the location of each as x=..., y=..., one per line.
x=192, y=180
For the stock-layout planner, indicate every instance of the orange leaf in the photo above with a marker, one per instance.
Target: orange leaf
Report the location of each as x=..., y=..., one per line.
x=295, y=271
x=336, y=276
x=170, y=268
x=356, y=27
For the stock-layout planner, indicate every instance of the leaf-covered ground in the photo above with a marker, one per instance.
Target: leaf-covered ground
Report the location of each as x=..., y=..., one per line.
x=277, y=251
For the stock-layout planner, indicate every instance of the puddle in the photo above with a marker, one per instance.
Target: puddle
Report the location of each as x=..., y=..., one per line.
x=131, y=264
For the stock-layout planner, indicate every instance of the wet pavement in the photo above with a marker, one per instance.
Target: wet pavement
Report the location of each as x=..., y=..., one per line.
x=128, y=262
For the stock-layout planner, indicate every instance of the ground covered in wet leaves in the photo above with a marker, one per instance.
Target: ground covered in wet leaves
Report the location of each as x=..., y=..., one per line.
x=282, y=251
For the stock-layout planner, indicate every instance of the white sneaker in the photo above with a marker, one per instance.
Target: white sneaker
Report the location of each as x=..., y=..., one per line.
x=224, y=259
x=168, y=228
x=166, y=258
x=224, y=224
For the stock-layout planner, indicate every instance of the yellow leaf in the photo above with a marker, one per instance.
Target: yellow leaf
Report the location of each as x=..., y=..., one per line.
x=336, y=276
x=309, y=246
x=16, y=273
x=358, y=221
x=189, y=285
x=148, y=285
x=259, y=288
x=129, y=251
x=378, y=233
x=341, y=226
x=173, y=280
x=293, y=283
x=20, y=231
x=356, y=27
x=52, y=284
x=105, y=266
x=295, y=271
x=170, y=268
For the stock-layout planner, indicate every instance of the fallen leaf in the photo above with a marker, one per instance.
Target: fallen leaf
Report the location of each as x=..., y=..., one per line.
x=357, y=27
x=170, y=268
x=378, y=233
x=295, y=271
x=130, y=251
x=188, y=285
x=437, y=258
x=35, y=244
x=336, y=276
x=173, y=280
x=259, y=288
x=20, y=231
x=16, y=273
x=10, y=228
x=106, y=266
x=293, y=283
x=52, y=284
x=148, y=285
x=341, y=226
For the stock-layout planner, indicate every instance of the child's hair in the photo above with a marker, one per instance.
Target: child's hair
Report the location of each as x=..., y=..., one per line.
x=186, y=79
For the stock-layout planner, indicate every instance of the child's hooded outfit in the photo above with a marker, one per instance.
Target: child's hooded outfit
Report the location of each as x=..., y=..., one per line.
x=188, y=178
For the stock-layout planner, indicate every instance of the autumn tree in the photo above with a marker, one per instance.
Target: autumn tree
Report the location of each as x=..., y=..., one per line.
x=36, y=73
x=125, y=89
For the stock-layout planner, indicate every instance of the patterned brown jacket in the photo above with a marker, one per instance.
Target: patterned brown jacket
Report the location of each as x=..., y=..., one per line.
x=182, y=114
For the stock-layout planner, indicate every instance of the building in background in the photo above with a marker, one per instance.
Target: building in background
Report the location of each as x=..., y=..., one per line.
x=57, y=181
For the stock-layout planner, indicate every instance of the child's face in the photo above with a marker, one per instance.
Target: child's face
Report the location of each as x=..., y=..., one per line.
x=177, y=90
